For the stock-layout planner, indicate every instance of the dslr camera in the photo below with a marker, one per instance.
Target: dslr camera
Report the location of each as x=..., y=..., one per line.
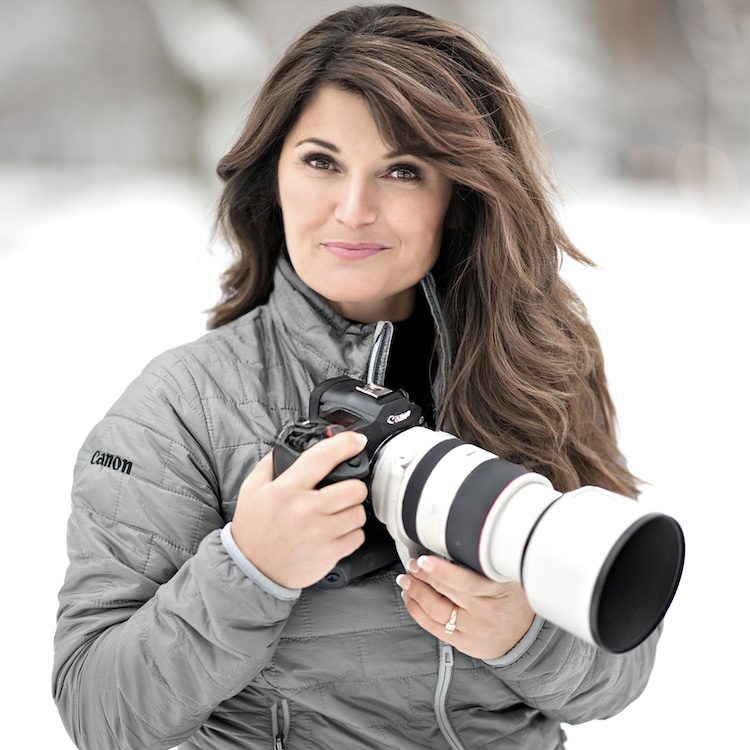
x=593, y=562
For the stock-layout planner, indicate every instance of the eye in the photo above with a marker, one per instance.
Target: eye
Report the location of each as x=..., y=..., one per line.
x=319, y=162
x=405, y=173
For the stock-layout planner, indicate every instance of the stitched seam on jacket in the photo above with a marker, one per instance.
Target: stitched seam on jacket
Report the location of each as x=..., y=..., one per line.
x=260, y=442
x=207, y=418
x=555, y=675
x=148, y=556
x=184, y=638
x=245, y=401
x=337, y=367
x=149, y=654
x=92, y=512
x=162, y=378
x=171, y=490
x=202, y=464
x=196, y=539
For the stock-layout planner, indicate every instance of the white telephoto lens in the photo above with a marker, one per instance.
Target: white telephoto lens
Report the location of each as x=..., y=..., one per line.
x=595, y=563
x=393, y=468
x=509, y=524
x=603, y=567
x=438, y=493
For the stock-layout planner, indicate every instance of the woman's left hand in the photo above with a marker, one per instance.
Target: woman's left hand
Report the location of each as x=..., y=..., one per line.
x=490, y=619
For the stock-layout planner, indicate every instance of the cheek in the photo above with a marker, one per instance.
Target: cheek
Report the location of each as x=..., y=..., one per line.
x=425, y=224
x=294, y=200
x=288, y=202
x=303, y=211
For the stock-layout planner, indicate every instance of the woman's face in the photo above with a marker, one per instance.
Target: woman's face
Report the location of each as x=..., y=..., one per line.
x=363, y=224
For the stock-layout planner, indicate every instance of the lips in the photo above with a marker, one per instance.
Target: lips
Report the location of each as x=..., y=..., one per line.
x=353, y=250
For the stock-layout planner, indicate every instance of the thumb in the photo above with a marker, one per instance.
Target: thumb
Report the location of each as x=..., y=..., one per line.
x=261, y=474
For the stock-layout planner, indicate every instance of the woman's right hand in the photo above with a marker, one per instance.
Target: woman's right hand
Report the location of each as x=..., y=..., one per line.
x=293, y=533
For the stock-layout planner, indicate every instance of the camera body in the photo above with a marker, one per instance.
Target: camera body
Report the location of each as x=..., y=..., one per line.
x=595, y=563
x=346, y=404
x=377, y=412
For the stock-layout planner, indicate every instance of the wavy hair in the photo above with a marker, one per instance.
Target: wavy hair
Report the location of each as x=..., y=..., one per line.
x=528, y=379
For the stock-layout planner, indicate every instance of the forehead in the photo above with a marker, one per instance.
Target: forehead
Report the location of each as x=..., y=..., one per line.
x=337, y=112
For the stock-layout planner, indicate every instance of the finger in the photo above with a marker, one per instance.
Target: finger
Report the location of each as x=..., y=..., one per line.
x=261, y=474
x=342, y=495
x=348, y=543
x=455, y=582
x=426, y=621
x=435, y=605
x=318, y=461
x=348, y=519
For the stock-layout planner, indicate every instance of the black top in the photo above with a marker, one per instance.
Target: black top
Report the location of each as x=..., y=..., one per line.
x=412, y=359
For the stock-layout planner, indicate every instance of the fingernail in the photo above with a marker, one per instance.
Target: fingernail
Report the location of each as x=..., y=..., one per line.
x=362, y=438
x=425, y=563
x=412, y=566
x=403, y=582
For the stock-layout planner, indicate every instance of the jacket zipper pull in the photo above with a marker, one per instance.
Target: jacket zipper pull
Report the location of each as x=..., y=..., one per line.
x=279, y=729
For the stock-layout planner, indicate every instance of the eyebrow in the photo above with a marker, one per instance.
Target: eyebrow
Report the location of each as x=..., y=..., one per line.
x=331, y=147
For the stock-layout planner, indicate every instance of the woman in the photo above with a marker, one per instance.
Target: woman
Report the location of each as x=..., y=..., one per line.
x=389, y=210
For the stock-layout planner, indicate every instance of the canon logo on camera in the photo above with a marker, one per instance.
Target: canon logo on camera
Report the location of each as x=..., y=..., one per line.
x=396, y=418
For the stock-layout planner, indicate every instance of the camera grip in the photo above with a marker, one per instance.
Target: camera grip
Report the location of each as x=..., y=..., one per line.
x=298, y=437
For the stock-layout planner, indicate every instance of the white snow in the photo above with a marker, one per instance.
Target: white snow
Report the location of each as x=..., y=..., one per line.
x=103, y=271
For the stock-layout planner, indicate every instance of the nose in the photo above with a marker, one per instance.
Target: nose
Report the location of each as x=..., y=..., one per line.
x=355, y=206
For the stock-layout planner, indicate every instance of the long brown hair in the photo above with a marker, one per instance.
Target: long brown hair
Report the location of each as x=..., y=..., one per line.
x=528, y=378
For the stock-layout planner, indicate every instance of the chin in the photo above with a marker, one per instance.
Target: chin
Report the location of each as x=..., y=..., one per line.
x=350, y=294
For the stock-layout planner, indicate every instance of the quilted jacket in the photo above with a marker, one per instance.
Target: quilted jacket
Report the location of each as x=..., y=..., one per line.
x=167, y=634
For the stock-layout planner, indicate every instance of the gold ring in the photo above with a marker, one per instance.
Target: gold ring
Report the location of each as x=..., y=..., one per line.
x=450, y=626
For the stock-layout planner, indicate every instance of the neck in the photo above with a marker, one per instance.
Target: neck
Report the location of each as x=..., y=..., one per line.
x=396, y=308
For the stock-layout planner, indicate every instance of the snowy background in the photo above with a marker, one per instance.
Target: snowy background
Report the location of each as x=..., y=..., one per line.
x=112, y=116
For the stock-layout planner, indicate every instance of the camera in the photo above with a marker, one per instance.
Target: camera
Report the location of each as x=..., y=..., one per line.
x=593, y=562
x=377, y=412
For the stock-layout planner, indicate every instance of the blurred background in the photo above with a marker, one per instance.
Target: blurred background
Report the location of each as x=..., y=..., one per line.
x=112, y=117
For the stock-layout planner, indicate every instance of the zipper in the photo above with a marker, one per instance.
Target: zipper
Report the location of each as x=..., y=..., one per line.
x=381, y=348
x=445, y=677
x=279, y=731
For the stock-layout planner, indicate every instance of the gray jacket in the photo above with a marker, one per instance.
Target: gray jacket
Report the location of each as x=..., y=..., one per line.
x=167, y=634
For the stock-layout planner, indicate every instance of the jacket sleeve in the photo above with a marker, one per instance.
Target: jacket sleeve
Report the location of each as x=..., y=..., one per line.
x=157, y=623
x=573, y=681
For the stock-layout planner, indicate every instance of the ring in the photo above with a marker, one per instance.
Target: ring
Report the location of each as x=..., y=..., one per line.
x=450, y=626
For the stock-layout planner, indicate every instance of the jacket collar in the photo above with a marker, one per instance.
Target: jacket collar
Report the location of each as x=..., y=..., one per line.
x=301, y=299
x=330, y=343
x=337, y=345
